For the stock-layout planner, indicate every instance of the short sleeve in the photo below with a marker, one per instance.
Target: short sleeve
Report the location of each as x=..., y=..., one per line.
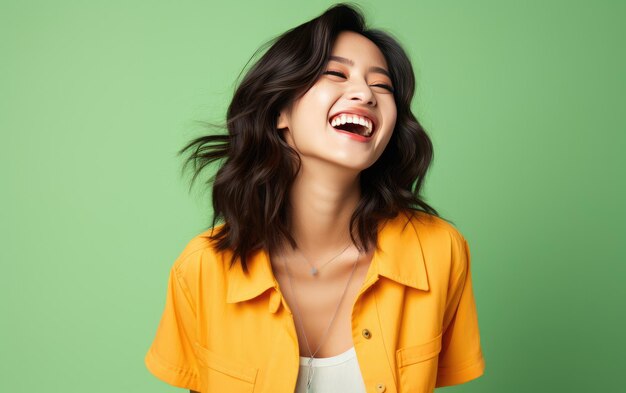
x=171, y=355
x=461, y=358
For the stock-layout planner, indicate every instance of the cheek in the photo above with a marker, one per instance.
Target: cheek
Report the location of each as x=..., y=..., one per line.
x=320, y=97
x=393, y=110
x=312, y=114
x=325, y=96
x=392, y=118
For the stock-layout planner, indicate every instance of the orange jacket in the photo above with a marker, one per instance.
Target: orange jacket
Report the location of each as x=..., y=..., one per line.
x=414, y=321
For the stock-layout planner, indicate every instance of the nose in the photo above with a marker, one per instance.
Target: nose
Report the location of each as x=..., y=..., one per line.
x=360, y=91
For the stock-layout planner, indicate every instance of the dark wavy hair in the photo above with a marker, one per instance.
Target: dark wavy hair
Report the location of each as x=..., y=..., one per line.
x=251, y=188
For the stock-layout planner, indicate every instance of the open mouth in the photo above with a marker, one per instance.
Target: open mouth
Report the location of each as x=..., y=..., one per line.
x=353, y=124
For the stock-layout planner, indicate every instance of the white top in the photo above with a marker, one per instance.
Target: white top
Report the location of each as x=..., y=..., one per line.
x=336, y=374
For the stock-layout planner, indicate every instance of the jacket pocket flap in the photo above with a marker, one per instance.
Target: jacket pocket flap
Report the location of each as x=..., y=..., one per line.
x=418, y=353
x=226, y=366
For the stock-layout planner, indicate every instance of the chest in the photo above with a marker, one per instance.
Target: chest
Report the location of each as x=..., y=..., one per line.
x=321, y=306
x=255, y=345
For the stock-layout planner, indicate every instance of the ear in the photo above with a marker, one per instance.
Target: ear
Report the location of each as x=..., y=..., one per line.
x=281, y=121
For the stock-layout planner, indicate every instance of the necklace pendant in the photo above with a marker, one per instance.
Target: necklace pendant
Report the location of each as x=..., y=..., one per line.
x=314, y=271
x=309, y=376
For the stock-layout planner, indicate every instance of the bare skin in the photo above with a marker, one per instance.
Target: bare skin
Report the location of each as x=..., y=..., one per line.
x=320, y=207
x=326, y=192
x=316, y=298
x=322, y=201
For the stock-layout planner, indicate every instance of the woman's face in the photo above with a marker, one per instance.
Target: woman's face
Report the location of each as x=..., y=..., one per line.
x=347, y=117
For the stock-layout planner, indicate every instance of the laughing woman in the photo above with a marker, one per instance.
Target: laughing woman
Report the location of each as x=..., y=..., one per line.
x=323, y=270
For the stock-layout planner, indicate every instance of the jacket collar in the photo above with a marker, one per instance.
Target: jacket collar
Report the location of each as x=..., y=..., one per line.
x=399, y=257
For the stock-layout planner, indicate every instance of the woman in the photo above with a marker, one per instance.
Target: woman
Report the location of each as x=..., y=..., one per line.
x=329, y=273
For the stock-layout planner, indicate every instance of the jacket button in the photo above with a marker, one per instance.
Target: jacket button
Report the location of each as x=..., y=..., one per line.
x=381, y=387
x=366, y=333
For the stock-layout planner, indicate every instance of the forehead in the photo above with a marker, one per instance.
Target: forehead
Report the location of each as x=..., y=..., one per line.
x=359, y=49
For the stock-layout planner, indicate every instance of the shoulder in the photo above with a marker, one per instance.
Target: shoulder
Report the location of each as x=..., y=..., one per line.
x=433, y=228
x=441, y=240
x=198, y=255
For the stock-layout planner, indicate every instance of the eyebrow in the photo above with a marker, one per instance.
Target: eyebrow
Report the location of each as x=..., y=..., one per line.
x=351, y=63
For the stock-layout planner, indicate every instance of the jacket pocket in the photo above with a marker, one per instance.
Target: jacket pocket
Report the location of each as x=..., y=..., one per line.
x=219, y=374
x=417, y=366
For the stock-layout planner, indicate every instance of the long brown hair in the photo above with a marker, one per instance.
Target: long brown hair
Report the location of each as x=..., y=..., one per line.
x=251, y=188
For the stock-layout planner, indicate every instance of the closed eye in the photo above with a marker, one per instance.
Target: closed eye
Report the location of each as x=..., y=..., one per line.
x=335, y=73
x=342, y=75
x=386, y=87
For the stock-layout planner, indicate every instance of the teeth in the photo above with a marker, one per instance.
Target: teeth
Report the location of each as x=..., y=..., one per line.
x=354, y=119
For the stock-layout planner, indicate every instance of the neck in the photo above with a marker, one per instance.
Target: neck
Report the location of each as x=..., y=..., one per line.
x=323, y=199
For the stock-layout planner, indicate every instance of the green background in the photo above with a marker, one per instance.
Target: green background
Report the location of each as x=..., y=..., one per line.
x=524, y=102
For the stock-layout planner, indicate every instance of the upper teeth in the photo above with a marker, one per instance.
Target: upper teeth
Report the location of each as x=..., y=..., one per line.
x=355, y=119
